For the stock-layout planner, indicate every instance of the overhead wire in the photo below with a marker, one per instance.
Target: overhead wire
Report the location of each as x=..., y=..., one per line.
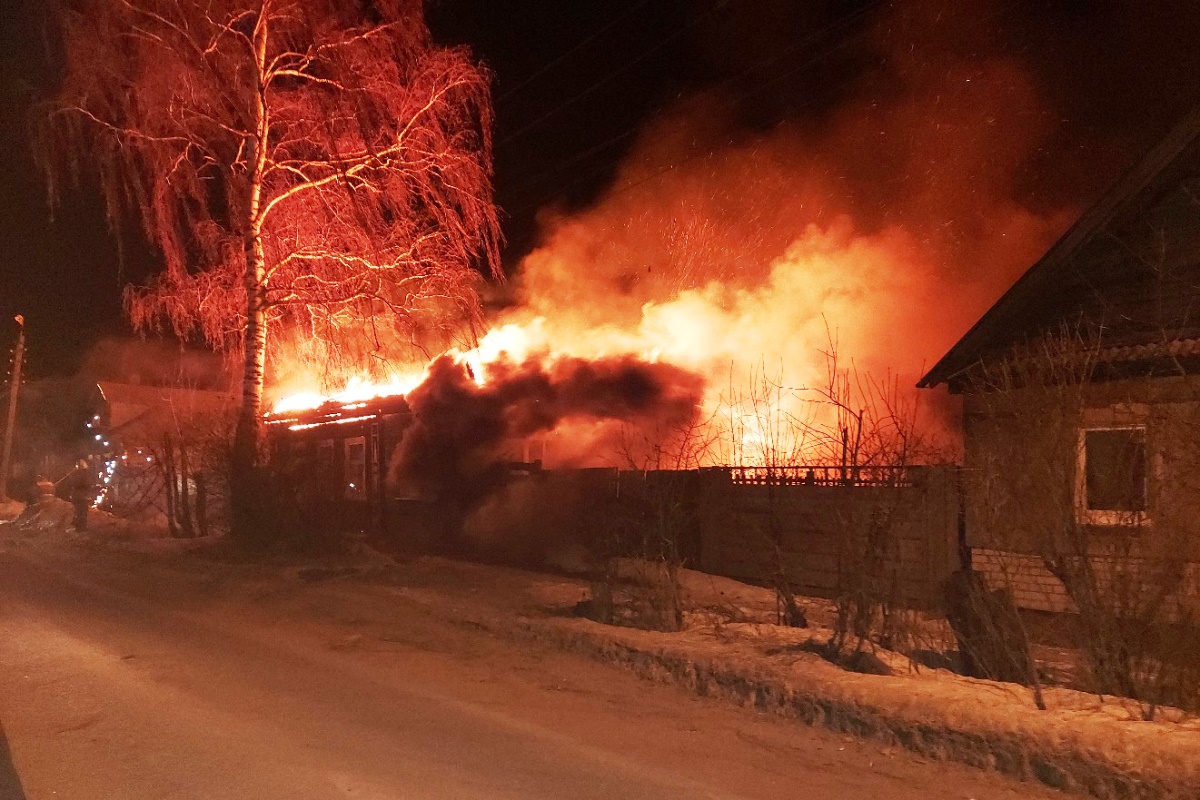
x=826, y=30
x=862, y=10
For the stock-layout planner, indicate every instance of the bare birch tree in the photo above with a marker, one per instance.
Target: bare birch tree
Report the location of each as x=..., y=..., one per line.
x=312, y=171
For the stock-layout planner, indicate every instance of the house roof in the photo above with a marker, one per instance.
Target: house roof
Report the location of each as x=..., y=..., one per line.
x=1104, y=271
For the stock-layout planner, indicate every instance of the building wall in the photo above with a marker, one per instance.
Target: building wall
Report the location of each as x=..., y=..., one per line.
x=1023, y=509
x=1035, y=588
x=1026, y=576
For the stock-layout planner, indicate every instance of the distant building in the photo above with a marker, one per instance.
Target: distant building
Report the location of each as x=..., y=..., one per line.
x=143, y=416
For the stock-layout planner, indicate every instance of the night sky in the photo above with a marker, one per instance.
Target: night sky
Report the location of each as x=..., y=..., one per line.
x=576, y=82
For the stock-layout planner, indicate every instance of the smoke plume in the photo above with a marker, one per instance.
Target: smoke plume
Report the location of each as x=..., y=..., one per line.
x=462, y=431
x=887, y=224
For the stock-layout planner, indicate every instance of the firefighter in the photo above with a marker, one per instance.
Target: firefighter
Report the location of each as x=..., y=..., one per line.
x=81, y=484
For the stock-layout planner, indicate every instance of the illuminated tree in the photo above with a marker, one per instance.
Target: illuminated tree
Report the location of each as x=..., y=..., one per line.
x=313, y=171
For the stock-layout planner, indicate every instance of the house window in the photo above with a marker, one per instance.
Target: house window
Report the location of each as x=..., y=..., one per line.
x=1111, y=487
x=355, y=468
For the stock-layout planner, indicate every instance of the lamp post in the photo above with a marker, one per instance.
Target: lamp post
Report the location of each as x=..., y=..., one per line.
x=13, y=386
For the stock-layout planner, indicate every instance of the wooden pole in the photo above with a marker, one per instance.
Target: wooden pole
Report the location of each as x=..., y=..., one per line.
x=13, y=386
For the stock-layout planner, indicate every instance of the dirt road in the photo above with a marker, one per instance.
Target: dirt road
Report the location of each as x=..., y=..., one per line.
x=124, y=683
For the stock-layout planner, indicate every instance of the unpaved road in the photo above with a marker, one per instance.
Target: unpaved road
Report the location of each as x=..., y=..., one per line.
x=122, y=681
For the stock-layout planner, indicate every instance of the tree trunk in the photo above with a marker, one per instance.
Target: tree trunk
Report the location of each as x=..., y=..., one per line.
x=248, y=433
x=185, y=505
x=245, y=491
x=167, y=463
x=201, y=504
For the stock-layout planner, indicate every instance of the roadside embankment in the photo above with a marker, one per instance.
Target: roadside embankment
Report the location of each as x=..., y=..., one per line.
x=1082, y=743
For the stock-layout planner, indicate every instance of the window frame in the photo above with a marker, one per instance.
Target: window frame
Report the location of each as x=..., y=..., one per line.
x=1106, y=517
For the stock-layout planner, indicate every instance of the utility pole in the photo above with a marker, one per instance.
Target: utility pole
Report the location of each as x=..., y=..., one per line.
x=13, y=386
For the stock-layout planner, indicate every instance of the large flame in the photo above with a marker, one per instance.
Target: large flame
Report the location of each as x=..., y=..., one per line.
x=801, y=271
x=356, y=390
x=509, y=342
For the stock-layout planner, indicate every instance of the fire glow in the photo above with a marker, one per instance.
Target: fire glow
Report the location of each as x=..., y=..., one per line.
x=356, y=390
x=766, y=345
x=507, y=342
x=776, y=265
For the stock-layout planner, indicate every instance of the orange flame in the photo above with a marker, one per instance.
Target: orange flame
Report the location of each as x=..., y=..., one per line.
x=512, y=342
x=885, y=229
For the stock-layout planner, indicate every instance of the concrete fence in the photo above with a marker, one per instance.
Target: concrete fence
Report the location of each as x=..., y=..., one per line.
x=902, y=538
x=899, y=536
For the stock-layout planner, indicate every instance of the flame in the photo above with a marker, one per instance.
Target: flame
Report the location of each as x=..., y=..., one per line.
x=760, y=345
x=356, y=390
x=510, y=342
x=869, y=239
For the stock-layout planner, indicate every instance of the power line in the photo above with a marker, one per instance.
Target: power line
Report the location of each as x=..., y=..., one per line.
x=628, y=133
x=583, y=155
x=745, y=94
x=525, y=209
x=655, y=174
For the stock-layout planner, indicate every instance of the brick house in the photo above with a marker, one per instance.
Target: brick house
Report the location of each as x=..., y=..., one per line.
x=1081, y=401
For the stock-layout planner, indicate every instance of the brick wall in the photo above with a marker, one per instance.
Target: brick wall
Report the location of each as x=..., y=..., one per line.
x=1035, y=588
x=1032, y=585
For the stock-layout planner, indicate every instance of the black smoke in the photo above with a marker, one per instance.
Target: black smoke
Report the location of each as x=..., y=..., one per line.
x=455, y=450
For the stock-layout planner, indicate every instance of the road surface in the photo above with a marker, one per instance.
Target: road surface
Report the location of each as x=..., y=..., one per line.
x=117, y=688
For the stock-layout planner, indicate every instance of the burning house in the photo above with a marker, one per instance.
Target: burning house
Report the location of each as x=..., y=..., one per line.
x=381, y=461
x=441, y=466
x=333, y=459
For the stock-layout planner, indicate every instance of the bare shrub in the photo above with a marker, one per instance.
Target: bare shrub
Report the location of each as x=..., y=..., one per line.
x=1082, y=471
x=873, y=434
x=182, y=475
x=639, y=554
x=765, y=436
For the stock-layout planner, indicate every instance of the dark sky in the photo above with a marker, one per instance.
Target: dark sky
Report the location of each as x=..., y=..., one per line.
x=576, y=81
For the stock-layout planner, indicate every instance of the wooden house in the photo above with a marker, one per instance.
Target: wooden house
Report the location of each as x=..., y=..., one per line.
x=335, y=460
x=1081, y=400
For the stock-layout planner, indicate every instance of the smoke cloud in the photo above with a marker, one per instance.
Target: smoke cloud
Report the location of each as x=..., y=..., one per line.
x=462, y=431
x=864, y=232
x=887, y=224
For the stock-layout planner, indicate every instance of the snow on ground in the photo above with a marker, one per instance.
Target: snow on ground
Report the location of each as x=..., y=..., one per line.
x=10, y=509
x=1082, y=742
x=52, y=519
x=731, y=649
